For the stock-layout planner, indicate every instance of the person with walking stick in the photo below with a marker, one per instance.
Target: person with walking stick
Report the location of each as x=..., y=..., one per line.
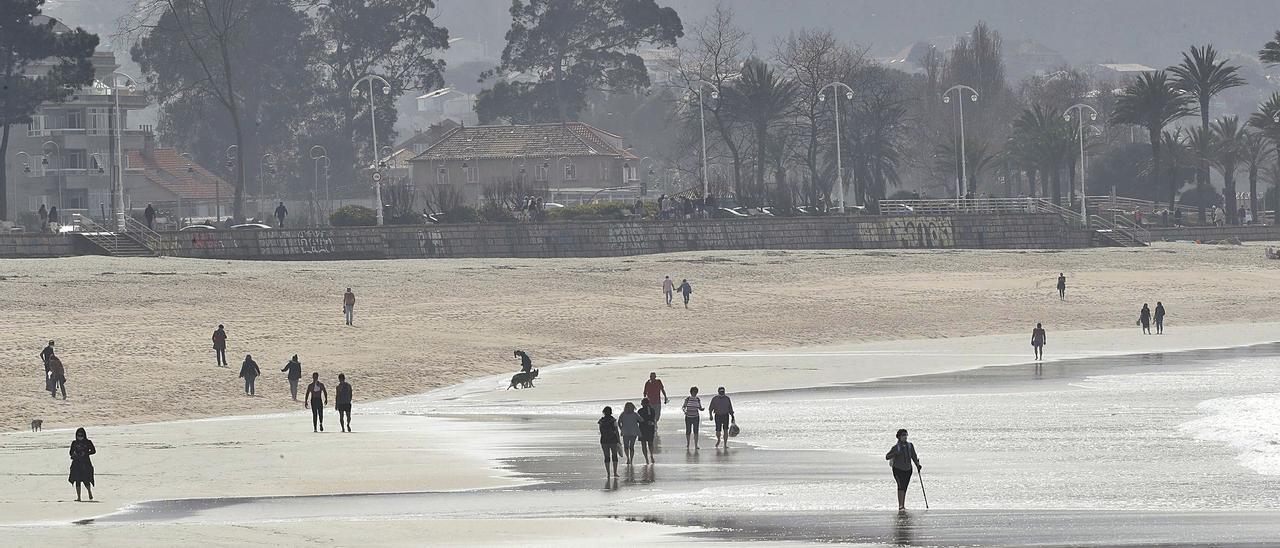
x=900, y=458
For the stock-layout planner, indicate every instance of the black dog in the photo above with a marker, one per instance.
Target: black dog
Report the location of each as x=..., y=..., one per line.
x=523, y=380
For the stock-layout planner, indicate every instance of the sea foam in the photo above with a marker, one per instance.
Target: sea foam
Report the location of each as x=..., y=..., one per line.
x=1249, y=424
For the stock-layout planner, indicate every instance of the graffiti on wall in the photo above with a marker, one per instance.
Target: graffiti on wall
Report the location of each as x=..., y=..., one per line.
x=430, y=242
x=627, y=238
x=925, y=233
x=297, y=242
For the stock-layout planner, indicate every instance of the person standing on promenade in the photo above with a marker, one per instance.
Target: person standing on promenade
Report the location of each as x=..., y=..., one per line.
x=81, y=464
x=349, y=306
x=668, y=289
x=281, y=213
x=900, y=457
x=293, y=372
x=220, y=346
x=692, y=416
x=249, y=372
x=149, y=214
x=1062, y=286
x=653, y=390
x=629, y=423
x=609, y=440
x=685, y=289
x=44, y=218
x=1144, y=319
x=317, y=397
x=342, y=402
x=53, y=218
x=1159, y=315
x=1038, y=340
x=721, y=411
x=526, y=364
x=57, y=377
x=648, y=426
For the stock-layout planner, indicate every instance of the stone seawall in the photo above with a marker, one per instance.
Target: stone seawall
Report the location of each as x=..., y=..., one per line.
x=17, y=245
x=619, y=238
x=1214, y=233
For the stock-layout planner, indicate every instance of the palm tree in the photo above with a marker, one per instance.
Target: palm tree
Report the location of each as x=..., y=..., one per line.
x=1265, y=120
x=1227, y=141
x=977, y=154
x=1201, y=76
x=1152, y=102
x=762, y=97
x=1047, y=141
x=1270, y=52
x=1257, y=151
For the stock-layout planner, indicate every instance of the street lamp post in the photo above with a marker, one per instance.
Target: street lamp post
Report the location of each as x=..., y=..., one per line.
x=644, y=182
x=848, y=94
x=964, y=161
x=117, y=194
x=44, y=167
x=373, y=121
x=1080, y=109
x=265, y=167
x=702, y=120
x=233, y=154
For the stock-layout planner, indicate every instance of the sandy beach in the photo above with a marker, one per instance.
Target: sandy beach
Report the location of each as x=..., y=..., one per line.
x=439, y=334
x=135, y=333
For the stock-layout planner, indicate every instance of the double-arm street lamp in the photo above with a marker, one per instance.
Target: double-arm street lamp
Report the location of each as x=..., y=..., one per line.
x=117, y=194
x=960, y=89
x=373, y=122
x=1080, y=109
x=266, y=166
x=702, y=120
x=848, y=94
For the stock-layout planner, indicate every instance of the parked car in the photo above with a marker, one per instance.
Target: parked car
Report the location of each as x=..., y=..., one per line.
x=726, y=212
x=196, y=228
x=250, y=226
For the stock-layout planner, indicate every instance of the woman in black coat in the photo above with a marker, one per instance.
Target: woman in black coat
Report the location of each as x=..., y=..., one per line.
x=81, y=466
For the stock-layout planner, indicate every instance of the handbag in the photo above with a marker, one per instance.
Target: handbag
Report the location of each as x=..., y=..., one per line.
x=733, y=430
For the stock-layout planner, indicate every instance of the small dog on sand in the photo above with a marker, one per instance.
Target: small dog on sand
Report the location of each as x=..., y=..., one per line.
x=523, y=380
x=36, y=424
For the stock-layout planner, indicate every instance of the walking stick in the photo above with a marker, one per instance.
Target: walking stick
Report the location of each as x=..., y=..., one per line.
x=920, y=473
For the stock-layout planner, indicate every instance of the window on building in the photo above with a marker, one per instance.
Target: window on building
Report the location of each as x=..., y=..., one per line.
x=541, y=172
x=442, y=176
x=629, y=172
x=75, y=119
x=473, y=174
x=419, y=148
x=75, y=198
x=37, y=125
x=75, y=159
x=99, y=122
x=570, y=172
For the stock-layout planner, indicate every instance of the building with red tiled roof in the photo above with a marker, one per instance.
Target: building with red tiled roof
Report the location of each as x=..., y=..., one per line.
x=563, y=162
x=166, y=179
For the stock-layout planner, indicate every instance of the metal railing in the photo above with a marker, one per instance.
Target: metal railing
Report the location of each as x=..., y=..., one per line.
x=1120, y=228
x=1135, y=230
x=102, y=237
x=149, y=239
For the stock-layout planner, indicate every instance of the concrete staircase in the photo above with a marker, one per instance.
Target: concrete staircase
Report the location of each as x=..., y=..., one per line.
x=113, y=243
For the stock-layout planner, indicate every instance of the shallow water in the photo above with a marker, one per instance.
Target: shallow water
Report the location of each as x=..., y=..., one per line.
x=1144, y=449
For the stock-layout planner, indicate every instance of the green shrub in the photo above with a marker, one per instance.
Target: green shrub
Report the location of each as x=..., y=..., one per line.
x=590, y=212
x=460, y=214
x=495, y=214
x=353, y=215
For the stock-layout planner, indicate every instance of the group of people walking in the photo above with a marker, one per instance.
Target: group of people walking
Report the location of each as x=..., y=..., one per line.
x=1146, y=317
x=669, y=289
x=618, y=435
x=55, y=374
x=315, y=396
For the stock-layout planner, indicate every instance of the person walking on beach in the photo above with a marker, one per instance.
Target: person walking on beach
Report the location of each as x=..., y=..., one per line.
x=1037, y=341
x=81, y=465
x=900, y=457
x=342, y=403
x=149, y=214
x=281, y=212
x=44, y=357
x=721, y=411
x=293, y=372
x=1144, y=319
x=668, y=289
x=685, y=289
x=57, y=377
x=692, y=416
x=220, y=346
x=656, y=394
x=1062, y=286
x=629, y=423
x=648, y=426
x=609, y=440
x=317, y=397
x=526, y=364
x=349, y=306
x=249, y=372
x=1159, y=315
